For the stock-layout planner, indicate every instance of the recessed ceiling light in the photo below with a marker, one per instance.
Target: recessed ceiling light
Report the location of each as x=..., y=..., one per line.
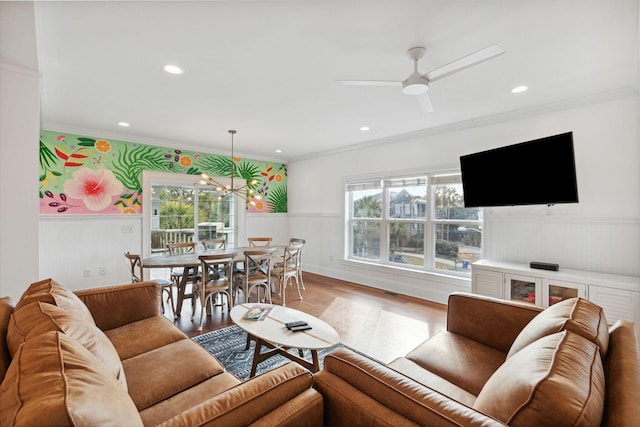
x=519, y=89
x=124, y=124
x=278, y=151
x=364, y=128
x=173, y=69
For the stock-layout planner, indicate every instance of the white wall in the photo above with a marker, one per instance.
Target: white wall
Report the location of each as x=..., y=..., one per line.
x=601, y=233
x=71, y=244
x=19, y=127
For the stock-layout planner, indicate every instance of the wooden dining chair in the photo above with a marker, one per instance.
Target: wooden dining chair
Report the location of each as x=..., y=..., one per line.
x=301, y=243
x=217, y=277
x=214, y=244
x=259, y=241
x=288, y=270
x=256, y=273
x=137, y=275
x=192, y=274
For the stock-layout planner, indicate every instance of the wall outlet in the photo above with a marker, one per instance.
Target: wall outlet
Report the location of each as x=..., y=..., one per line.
x=86, y=272
x=127, y=228
x=102, y=271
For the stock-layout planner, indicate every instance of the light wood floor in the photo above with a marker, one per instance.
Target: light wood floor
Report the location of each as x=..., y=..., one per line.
x=380, y=324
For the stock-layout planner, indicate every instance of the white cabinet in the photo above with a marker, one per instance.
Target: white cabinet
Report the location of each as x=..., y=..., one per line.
x=487, y=282
x=554, y=291
x=619, y=296
x=518, y=287
x=617, y=303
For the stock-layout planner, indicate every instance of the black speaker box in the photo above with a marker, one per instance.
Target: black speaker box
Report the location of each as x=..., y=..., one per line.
x=544, y=266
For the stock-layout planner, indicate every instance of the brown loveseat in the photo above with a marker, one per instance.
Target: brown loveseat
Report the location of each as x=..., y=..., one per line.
x=107, y=356
x=497, y=363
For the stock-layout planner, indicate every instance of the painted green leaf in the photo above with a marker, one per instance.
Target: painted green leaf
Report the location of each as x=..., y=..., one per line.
x=85, y=141
x=249, y=172
x=131, y=162
x=215, y=165
x=47, y=158
x=277, y=200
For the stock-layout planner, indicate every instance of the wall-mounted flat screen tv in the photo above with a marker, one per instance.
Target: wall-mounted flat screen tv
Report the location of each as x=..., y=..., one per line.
x=535, y=172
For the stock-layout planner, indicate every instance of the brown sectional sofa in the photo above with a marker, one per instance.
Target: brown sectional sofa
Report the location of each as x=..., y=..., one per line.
x=107, y=356
x=497, y=363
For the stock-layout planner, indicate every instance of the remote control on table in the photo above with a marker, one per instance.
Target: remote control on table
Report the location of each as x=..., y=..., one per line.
x=300, y=328
x=290, y=325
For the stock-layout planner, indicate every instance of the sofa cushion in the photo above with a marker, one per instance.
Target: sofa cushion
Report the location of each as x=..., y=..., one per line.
x=6, y=309
x=557, y=380
x=177, y=405
x=166, y=371
x=462, y=361
x=576, y=315
x=55, y=381
x=365, y=391
x=431, y=380
x=51, y=292
x=38, y=318
x=144, y=335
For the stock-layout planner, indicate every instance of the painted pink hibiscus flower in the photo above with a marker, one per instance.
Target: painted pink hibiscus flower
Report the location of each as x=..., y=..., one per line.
x=94, y=187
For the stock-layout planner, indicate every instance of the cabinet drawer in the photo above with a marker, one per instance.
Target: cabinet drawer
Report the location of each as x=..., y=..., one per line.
x=487, y=283
x=617, y=303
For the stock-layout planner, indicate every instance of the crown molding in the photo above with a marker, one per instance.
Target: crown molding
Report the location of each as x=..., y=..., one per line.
x=620, y=93
x=20, y=70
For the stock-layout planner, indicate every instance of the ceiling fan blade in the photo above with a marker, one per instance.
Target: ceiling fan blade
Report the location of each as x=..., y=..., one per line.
x=425, y=103
x=368, y=83
x=465, y=62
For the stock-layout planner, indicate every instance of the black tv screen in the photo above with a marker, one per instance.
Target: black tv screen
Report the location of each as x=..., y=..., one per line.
x=535, y=172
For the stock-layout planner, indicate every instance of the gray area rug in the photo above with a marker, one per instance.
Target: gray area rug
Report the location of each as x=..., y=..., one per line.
x=227, y=345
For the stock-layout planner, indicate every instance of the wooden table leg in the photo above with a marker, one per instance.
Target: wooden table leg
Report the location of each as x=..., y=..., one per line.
x=182, y=287
x=259, y=357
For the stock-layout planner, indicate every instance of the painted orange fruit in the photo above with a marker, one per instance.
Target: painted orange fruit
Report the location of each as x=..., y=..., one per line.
x=278, y=178
x=186, y=161
x=129, y=210
x=103, y=146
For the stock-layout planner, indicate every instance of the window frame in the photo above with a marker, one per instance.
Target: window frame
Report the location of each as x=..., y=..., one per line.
x=150, y=178
x=429, y=221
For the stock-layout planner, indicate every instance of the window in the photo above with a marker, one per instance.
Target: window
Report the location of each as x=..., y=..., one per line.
x=182, y=210
x=416, y=221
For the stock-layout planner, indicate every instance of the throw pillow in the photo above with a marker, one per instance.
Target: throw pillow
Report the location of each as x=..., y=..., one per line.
x=56, y=381
x=557, y=380
x=576, y=315
x=52, y=292
x=38, y=318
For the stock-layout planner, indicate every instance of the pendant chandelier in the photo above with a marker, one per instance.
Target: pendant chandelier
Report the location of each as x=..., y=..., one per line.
x=244, y=192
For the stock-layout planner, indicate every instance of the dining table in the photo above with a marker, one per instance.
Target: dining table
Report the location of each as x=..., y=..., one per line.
x=190, y=262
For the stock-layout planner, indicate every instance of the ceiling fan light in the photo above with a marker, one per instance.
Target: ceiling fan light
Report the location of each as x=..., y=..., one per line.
x=415, y=89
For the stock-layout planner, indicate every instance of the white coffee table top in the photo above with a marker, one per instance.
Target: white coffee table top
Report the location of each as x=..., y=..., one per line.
x=273, y=329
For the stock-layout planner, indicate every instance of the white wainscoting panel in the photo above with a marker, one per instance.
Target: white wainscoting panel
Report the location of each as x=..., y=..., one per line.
x=69, y=245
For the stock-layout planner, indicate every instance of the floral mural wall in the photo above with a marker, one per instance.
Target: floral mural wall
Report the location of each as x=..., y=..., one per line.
x=87, y=175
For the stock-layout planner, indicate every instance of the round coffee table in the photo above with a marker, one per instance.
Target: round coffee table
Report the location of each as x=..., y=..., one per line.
x=272, y=333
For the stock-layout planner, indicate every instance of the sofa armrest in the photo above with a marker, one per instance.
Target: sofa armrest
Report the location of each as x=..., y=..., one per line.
x=490, y=321
x=115, y=306
x=622, y=375
x=259, y=400
x=353, y=385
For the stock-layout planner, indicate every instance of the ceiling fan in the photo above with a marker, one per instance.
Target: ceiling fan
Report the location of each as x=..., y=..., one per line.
x=418, y=84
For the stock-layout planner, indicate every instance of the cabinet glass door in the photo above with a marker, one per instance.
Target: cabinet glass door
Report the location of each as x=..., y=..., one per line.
x=556, y=291
x=523, y=289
